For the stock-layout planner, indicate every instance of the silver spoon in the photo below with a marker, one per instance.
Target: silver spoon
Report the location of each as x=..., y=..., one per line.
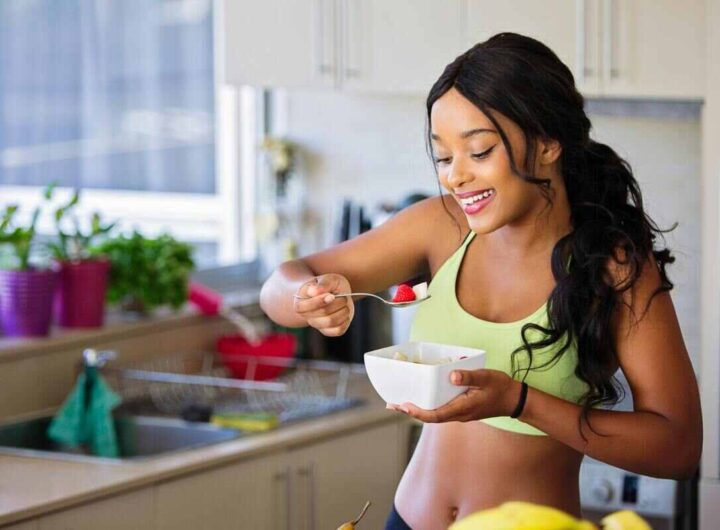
x=388, y=302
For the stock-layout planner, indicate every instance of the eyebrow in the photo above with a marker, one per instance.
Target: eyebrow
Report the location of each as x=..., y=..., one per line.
x=467, y=134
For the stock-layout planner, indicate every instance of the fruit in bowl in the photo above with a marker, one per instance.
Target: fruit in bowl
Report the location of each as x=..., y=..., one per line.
x=419, y=372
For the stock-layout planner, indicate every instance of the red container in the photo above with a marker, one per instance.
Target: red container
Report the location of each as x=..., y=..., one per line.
x=80, y=295
x=234, y=348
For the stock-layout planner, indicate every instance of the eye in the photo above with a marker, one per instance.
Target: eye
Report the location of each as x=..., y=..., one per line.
x=484, y=154
x=442, y=160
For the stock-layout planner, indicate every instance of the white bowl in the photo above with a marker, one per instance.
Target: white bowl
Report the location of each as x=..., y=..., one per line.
x=426, y=385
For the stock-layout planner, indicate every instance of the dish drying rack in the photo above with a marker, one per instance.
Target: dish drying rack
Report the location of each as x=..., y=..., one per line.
x=173, y=383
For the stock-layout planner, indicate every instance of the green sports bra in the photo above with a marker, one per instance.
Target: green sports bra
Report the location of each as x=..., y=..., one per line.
x=443, y=320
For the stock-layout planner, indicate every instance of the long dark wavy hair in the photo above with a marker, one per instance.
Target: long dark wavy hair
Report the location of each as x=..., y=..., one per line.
x=525, y=81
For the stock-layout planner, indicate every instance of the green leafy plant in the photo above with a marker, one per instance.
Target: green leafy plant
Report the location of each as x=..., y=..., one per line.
x=146, y=273
x=74, y=245
x=19, y=238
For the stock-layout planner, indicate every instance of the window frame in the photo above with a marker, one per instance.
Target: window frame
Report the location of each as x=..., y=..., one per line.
x=226, y=217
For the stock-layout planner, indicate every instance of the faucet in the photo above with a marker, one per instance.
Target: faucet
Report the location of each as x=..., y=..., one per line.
x=97, y=359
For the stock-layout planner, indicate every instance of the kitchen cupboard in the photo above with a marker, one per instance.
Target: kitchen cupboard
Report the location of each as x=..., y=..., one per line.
x=568, y=27
x=317, y=486
x=332, y=480
x=224, y=497
x=654, y=48
x=287, y=43
x=615, y=48
x=131, y=510
x=396, y=46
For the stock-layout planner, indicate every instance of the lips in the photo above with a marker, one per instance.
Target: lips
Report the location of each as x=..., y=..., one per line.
x=473, y=202
x=467, y=194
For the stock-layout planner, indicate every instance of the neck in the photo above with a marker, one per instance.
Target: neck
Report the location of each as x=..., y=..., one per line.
x=536, y=232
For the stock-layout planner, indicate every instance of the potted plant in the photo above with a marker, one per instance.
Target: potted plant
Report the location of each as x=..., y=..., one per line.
x=146, y=273
x=82, y=276
x=26, y=290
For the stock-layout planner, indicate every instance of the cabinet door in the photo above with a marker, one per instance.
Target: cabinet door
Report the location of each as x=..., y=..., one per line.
x=653, y=48
x=569, y=28
x=398, y=46
x=236, y=496
x=333, y=479
x=277, y=42
x=132, y=510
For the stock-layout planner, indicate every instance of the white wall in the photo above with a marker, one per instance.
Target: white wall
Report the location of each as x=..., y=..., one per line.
x=372, y=148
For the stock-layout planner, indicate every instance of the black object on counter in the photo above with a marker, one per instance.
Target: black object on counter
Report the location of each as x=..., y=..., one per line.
x=198, y=413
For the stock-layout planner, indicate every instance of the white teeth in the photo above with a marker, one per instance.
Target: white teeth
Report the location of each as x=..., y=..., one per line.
x=478, y=197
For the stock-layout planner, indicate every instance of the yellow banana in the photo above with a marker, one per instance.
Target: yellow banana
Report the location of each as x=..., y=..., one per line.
x=624, y=520
x=529, y=516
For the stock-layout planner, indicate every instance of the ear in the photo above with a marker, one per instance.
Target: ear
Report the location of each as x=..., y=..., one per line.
x=548, y=150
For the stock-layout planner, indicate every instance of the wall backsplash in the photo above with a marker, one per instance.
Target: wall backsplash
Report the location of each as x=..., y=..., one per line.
x=372, y=149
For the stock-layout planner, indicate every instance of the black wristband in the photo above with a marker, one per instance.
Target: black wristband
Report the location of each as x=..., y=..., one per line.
x=521, y=402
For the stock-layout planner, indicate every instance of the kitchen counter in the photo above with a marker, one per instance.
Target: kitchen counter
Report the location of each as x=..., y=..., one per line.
x=31, y=487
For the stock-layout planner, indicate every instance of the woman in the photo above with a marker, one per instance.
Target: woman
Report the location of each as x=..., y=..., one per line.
x=541, y=254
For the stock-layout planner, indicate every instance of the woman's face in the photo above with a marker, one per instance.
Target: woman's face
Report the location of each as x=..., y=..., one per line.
x=474, y=166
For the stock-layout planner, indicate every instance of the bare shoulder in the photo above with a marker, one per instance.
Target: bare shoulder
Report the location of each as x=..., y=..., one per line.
x=443, y=223
x=406, y=246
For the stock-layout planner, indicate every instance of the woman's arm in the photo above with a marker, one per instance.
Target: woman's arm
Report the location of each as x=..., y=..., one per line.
x=662, y=436
x=391, y=253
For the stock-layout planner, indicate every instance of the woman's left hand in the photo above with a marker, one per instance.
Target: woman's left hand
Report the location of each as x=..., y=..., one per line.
x=490, y=393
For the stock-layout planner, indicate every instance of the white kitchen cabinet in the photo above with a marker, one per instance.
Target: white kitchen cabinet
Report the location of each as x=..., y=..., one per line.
x=332, y=480
x=570, y=28
x=235, y=496
x=397, y=46
x=287, y=43
x=131, y=510
x=615, y=48
x=653, y=48
x=320, y=485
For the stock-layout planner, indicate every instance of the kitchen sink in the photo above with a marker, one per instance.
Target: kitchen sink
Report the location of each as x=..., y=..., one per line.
x=139, y=437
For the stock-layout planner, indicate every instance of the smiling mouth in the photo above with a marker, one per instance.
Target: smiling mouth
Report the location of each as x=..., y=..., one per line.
x=484, y=194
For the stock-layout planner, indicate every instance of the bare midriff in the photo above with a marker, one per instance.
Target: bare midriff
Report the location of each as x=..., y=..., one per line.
x=461, y=468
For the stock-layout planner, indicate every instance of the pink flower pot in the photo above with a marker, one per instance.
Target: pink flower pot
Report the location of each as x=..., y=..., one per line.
x=80, y=294
x=26, y=302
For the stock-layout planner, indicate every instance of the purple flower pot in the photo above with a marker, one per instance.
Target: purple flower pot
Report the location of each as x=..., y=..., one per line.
x=26, y=302
x=80, y=295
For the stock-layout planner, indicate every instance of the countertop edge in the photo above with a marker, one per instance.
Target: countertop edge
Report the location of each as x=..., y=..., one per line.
x=174, y=466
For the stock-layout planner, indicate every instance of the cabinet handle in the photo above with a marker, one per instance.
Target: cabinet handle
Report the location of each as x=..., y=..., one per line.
x=583, y=71
x=284, y=476
x=349, y=70
x=308, y=472
x=323, y=67
x=609, y=34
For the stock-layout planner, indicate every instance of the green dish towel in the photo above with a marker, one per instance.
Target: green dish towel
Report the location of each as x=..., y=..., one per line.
x=86, y=416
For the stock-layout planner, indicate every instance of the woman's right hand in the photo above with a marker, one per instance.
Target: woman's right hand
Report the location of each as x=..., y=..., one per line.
x=331, y=316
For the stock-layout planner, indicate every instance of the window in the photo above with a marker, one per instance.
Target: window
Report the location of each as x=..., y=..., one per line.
x=118, y=97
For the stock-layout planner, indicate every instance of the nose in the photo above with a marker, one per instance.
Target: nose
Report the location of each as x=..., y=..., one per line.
x=459, y=174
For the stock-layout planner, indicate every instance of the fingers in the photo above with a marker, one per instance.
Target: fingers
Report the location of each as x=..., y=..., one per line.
x=327, y=283
x=322, y=310
x=459, y=409
x=477, y=378
x=319, y=305
x=336, y=319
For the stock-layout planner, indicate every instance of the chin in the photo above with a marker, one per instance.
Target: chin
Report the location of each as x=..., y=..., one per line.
x=482, y=226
